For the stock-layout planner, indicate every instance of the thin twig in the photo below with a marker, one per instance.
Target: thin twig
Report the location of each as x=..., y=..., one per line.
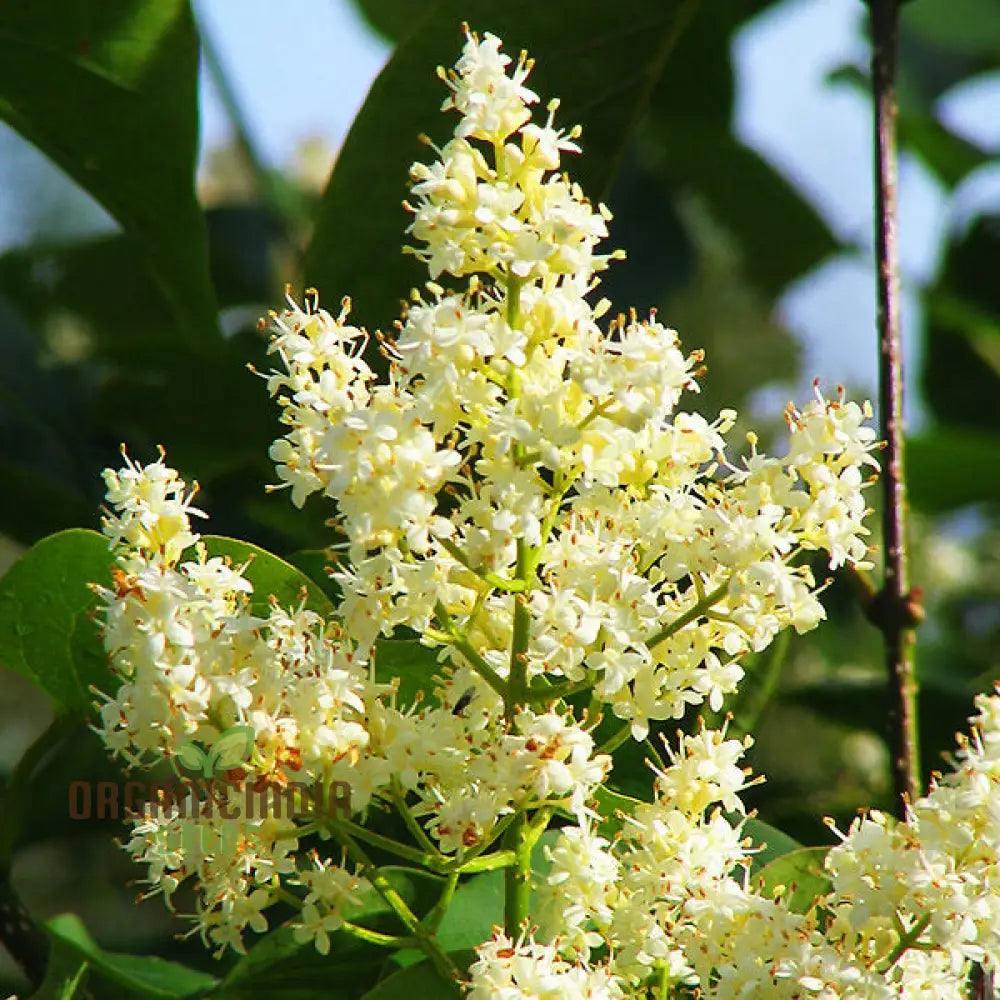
x=893, y=609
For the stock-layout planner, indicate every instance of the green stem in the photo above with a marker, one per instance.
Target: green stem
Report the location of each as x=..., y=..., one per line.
x=519, y=837
x=425, y=941
x=493, y=579
x=598, y=410
x=432, y=860
x=517, y=683
x=475, y=658
x=377, y=937
x=566, y=690
x=495, y=834
x=906, y=941
x=692, y=614
x=416, y=830
x=433, y=919
x=487, y=863
x=517, y=878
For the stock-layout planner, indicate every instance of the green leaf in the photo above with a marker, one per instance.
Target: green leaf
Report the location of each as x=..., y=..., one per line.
x=109, y=91
x=64, y=975
x=270, y=574
x=409, y=660
x=314, y=563
x=951, y=467
x=422, y=980
x=477, y=906
x=961, y=361
x=601, y=62
x=141, y=976
x=278, y=967
x=687, y=139
x=950, y=156
x=760, y=686
x=781, y=235
x=613, y=806
x=799, y=875
x=854, y=703
x=47, y=632
x=964, y=26
x=391, y=18
x=771, y=842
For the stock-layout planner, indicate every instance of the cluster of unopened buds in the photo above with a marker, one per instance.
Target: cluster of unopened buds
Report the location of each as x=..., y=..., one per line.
x=523, y=491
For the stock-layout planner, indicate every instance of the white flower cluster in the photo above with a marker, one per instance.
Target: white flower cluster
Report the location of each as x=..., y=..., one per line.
x=910, y=908
x=194, y=660
x=518, y=449
x=526, y=969
x=524, y=492
x=933, y=882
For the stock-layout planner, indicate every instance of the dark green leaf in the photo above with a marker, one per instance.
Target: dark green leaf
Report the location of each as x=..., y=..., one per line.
x=477, y=906
x=601, y=61
x=421, y=980
x=951, y=467
x=269, y=575
x=687, y=139
x=613, y=806
x=393, y=19
x=950, y=156
x=109, y=91
x=759, y=687
x=47, y=632
x=141, y=976
x=799, y=875
x=780, y=234
x=966, y=26
x=65, y=974
x=771, y=843
x=79, y=757
x=142, y=405
x=409, y=660
x=961, y=375
x=315, y=563
x=280, y=968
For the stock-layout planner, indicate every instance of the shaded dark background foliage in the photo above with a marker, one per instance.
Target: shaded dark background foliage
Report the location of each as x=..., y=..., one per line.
x=143, y=336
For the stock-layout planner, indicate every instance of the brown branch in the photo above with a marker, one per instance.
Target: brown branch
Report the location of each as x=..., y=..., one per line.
x=892, y=609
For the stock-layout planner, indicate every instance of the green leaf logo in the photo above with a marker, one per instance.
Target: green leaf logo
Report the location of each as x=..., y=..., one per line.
x=191, y=756
x=231, y=749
